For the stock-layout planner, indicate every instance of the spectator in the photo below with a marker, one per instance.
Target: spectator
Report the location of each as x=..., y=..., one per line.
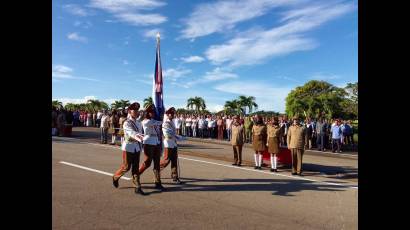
x=201, y=126
x=114, y=125
x=336, y=136
x=220, y=125
x=98, y=121
x=76, y=117
x=188, y=123
x=348, y=133
x=321, y=134
x=123, y=118
x=177, y=122
x=105, y=124
x=183, y=125
x=194, y=126
x=309, y=133
x=61, y=120
x=89, y=119
x=228, y=127
x=54, y=115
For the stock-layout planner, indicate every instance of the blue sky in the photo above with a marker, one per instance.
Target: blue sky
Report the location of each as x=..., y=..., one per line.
x=218, y=50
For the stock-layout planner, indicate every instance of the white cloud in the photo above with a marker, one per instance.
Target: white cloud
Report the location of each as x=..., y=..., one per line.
x=84, y=25
x=66, y=100
x=256, y=45
x=125, y=62
x=268, y=96
x=174, y=74
x=59, y=72
x=129, y=11
x=153, y=33
x=324, y=77
x=76, y=10
x=220, y=16
x=192, y=59
x=76, y=37
x=215, y=75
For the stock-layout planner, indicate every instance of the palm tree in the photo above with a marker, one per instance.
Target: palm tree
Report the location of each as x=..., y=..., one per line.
x=71, y=106
x=120, y=104
x=233, y=107
x=198, y=102
x=148, y=101
x=57, y=104
x=248, y=102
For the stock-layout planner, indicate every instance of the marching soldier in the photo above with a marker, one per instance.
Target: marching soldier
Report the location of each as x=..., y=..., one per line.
x=273, y=142
x=259, y=140
x=296, y=143
x=237, y=140
x=152, y=148
x=131, y=148
x=170, y=145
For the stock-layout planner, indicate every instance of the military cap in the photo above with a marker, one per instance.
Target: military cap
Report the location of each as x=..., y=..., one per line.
x=170, y=111
x=134, y=106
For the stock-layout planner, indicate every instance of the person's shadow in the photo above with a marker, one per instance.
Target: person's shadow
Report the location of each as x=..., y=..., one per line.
x=279, y=187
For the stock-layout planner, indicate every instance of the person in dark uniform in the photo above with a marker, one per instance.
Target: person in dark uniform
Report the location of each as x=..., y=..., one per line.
x=296, y=144
x=259, y=135
x=273, y=142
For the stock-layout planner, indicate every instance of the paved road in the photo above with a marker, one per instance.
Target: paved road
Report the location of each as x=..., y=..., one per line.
x=216, y=195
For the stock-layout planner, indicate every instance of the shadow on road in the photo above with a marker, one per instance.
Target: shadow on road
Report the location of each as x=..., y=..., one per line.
x=279, y=187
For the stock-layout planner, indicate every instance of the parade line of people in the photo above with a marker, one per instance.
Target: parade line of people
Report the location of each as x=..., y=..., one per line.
x=140, y=132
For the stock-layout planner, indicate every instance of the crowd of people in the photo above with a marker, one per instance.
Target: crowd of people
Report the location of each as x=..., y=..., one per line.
x=321, y=134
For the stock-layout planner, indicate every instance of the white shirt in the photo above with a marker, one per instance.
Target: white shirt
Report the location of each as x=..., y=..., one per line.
x=211, y=123
x=132, y=135
x=228, y=123
x=169, y=131
x=194, y=123
x=99, y=115
x=105, y=121
x=177, y=122
x=201, y=123
x=188, y=122
x=151, y=131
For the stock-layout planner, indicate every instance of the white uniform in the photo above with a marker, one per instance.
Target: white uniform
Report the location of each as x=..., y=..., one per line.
x=151, y=131
x=169, y=131
x=132, y=135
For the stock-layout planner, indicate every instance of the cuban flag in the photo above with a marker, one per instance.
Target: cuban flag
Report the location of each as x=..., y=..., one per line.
x=157, y=92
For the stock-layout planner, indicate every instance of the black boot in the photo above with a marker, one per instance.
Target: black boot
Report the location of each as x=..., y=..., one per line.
x=138, y=190
x=115, y=182
x=159, y=186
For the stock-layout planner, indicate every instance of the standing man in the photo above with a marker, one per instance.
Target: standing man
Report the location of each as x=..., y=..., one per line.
x=320, y=134
x=309, y=133
x=177, y=123
x=98, y=121
x=259, y=134
x=170, y=145
x=336, y=131
x=105, y=124
x=201, y=126
x=237, y=141
x=248, y=124
x=152, y=148
x=131, y=148
x=296, y=144
x=228, y=127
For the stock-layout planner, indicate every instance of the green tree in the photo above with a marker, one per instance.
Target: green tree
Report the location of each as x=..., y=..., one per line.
x=314, y=98
x=248, y=102
x=233, y=107
x=57, y=104
x=197, y=102
x=148, y=101
x=120, y=104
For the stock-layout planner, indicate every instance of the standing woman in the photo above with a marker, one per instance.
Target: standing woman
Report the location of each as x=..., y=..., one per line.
x=259, y=135
x=273, y=141
x=89, y=119
x=114, y=125
x=152, y=151
x=121, y=122
x=220, y=124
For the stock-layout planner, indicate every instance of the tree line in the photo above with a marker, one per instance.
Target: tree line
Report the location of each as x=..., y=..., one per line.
x=310, y=100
